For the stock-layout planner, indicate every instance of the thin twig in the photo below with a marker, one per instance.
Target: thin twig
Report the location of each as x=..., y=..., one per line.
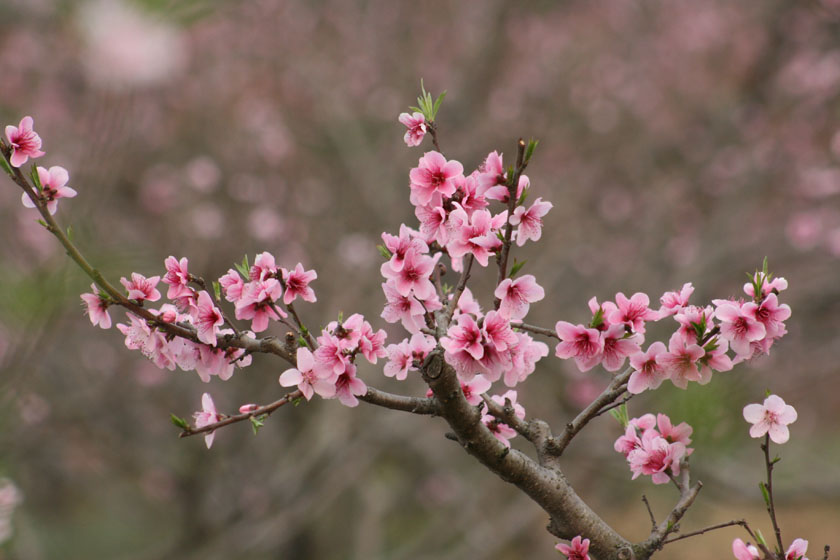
x=432, y=127
x=260, y=411
x=614, y=405
x=740, y=522
x=536, y=330
x=513, y=184
x=650, y=512
x=771, y=506
x=612, y=392
x=459, y=289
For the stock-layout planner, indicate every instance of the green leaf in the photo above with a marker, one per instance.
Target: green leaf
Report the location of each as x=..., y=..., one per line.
x=217, y=290
x=621, y=415
x=36, y=179
x=43, y=223
x=5, y=165
x=302, y=342
x=70, y=233
x=529, y=151
x=597, y=319
x=517, y=266
x=244, y=269
x=257, y=422
x=765, y=493
x=180, y=422
x=522, y=198
x=759, y=538
x=436, y=106
x=386, y=254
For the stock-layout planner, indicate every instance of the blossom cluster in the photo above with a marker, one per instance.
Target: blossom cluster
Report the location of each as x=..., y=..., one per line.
x=653, y=446
x=699, y=346
x=194, y=308
x=330, y=371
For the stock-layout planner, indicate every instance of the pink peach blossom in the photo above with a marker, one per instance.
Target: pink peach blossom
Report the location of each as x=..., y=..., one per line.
x=207, y=416
x=530, y=221
x=177, y=277
x=414, y=275
x=772, y=417
x=297, y=284
x=141, y=288
x=673, y=302
x=576, y=550
x=739, y=326
x=517, y=295
x=207, y=318
x=578, y=342
x=648, y=373
x=474, y=389
x=348, y=387
x=232, y=285
x=53, y=187
x=742, y=551
x=632, y=312
x=464, y=336
x=257, y=303
x=97, y=308
x=433, y=175
x=309, y=376
x=680, y=362
x=416, y=124
x=797, y=550
x=24, y=141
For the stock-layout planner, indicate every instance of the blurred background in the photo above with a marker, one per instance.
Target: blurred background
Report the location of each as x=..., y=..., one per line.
x=679, y=142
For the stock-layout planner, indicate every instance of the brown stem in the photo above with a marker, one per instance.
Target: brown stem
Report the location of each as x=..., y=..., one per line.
x=513, y=183
x=740, y=522
x=612, y=392
x=459, y=289
x=536, y=330
x=771, y=506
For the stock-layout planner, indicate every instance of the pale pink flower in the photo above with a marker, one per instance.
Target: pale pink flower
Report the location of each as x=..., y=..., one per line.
x=680, y=362
x=246, y=408
x=416, y=124
x=433, y=175
x=715, y=358
x=348, y=387
x=207, y=317
x=797, y=550
x=500, y=430
x=474, y=234
x=743, y=551
x=141, y=288
x=398, y=245
x=330, y=353
x=649, y=374
x=372, y=344
x=688, y=316
x=767, y=287
x=673, y=302
x=53, y=187
x=232, y=285
x=297, y=284
x=24, y=141
x=474, y=389
x=497, y=332
x=401, y=357
x=578, y=342
x=772, y=315
x=671, y=433
x=656, y=457
x=517, y=296
x=257, y=303
x=177, y=276
x=530, y=221
x=739, y=326
x=491, y=173
x=576, y=550
x=772, y=417
x=524, y=357
x=264, y=267
x=468, y=304
x=414, y=275
x=97, y=308
x=465, y=336
x=207, y=416
x=617, y=347
x=632, y=312
x=433, y=223
x=309, y=376
x=402, y=308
